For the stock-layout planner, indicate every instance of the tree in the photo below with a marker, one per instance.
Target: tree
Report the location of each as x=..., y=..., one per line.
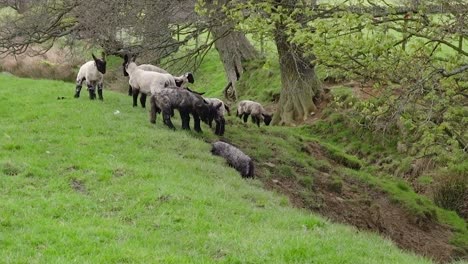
x=232, y=45
x=413, y=56
x=281, y=19
x=300, y=85
x=117, y=26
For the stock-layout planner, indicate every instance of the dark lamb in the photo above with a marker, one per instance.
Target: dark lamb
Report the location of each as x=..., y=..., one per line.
x=165, y=100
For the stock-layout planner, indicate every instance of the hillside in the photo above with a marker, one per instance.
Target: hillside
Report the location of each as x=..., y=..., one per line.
x=94, y=182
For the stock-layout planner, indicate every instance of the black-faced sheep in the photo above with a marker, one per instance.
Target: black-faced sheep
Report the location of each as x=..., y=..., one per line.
x=234, y=157
x=162, y=79
x=165, y=100
x=93, y=73
x=256, y=110
x=220, y=109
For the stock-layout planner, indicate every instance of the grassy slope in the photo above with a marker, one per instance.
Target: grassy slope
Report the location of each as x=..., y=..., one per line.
x=82, y=184
x=332, y=134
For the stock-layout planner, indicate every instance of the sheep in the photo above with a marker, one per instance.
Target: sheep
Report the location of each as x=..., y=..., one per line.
x=145, y=81
x=165, y=100
x=234, y=157
x=220, y=110
x=179, y=81
x=93, y=73
x=246, y=108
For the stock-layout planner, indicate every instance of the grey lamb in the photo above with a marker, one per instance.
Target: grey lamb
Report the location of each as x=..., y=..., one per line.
x=234, y=157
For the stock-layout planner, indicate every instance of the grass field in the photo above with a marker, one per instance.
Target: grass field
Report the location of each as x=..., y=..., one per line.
x=83, y=183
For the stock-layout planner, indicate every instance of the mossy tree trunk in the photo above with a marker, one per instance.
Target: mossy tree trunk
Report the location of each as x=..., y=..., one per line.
x=233, y=46
x=301, y=88
x=234, y=50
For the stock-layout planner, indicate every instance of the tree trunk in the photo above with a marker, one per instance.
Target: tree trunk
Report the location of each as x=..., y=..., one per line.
x=301, y=88
x=234, y=49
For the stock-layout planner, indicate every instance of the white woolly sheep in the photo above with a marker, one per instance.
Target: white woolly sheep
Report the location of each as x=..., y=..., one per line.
x=220, y=110
x=179, y=81
x=145, y=82
x=234, y=157
x=93, y=73
x=256, y=110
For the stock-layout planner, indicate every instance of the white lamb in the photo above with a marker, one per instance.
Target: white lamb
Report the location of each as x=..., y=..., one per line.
x=180, y=80
x=256, y=110
x=93, y=73
x=145, y=77
x=145, y=82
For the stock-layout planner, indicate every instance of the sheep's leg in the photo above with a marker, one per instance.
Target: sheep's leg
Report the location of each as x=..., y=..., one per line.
x=185, y=116
x=196, y=123
x=100, y=86
x=210, y=122
x=246, y=116
x=92, y=92
x=77, y=91
x=218, y=128
x=221, y=129
x=167, y=119
x=154, y=110
x=79, y=84
x=143, y=100
x=135, y=96
x=130, y=90
x=257, y=120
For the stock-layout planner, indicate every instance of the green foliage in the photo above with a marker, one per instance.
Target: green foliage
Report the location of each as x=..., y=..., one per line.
x=406, y=59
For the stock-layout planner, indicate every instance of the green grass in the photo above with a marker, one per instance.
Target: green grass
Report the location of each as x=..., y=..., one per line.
x=82, y=184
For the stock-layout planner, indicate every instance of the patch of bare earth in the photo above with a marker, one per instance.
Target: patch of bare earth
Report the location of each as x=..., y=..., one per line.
x=367, y=208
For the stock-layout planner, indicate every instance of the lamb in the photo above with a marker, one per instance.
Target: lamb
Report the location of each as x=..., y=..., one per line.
x=145, y=67
x=165, y=100
x=93, y=73
x=246, y=108
x=220, y=110
x=145, y=81
x=234, y=157
x=179, y=81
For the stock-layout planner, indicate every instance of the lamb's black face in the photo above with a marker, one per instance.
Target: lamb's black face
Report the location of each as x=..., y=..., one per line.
x=190, y=77
x=126, y=62
x=100, y=64
x=124, y=67
x=205, y=111
x=267, y=119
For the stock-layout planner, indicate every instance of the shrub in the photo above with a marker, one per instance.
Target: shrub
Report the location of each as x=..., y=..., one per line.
x=452, y=194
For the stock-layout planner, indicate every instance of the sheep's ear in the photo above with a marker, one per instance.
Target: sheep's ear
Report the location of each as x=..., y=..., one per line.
x=103, y=54
x=206, y=102
x=94, y=57
x=134, y=58
x=219, y=105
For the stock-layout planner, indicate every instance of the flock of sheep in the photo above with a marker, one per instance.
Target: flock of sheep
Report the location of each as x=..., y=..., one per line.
x=168, y=92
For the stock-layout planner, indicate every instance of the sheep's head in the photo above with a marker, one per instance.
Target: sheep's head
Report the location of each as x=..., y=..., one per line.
x=267, y=119
x=189, y=77
x=213, y=113
x=100, y=63
x=204, y=110
x=127, y=62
